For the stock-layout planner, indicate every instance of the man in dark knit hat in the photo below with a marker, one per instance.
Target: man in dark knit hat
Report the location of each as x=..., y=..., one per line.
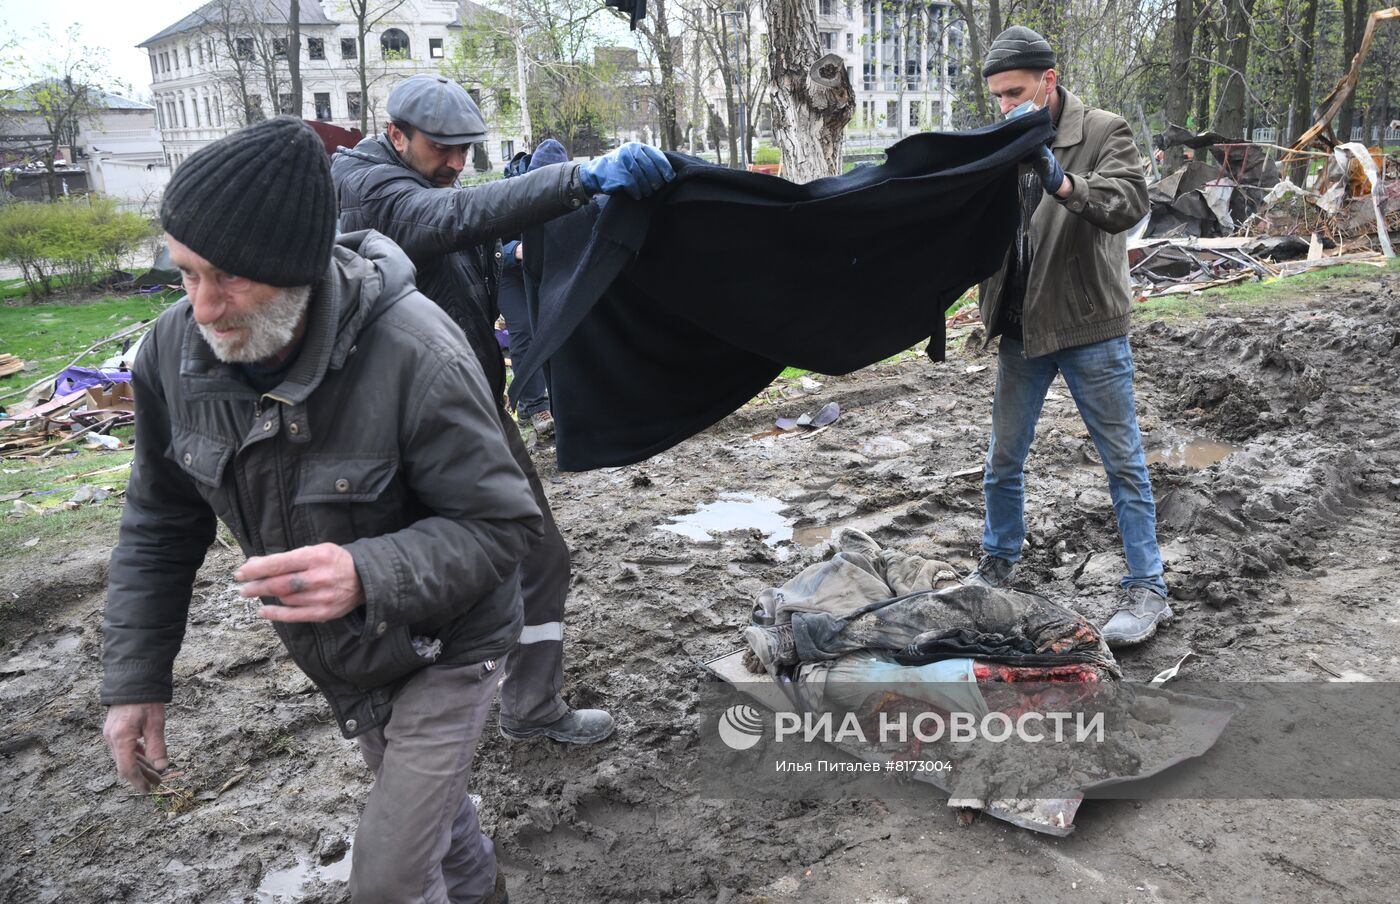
x=403, y=183
x=1060, y=306
x=307, y=396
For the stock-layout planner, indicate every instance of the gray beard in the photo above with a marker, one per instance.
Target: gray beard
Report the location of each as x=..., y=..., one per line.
x=269, y=330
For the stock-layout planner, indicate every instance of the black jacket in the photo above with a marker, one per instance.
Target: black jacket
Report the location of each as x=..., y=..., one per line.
x=659, y=317
x=382, y=438
x=451, y=234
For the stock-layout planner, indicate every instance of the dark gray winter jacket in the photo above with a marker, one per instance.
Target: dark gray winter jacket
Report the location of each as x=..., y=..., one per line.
x=451, y=234
x=382, y=438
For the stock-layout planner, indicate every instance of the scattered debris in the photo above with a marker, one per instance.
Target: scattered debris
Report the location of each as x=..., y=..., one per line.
x=9, y=364
x=809, y=421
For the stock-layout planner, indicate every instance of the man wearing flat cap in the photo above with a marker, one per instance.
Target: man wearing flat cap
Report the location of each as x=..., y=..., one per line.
x=403, y=183
x=1060, y=306
x=307, y=396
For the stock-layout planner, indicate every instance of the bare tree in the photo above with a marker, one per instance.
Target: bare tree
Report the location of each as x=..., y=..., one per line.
x=1178, y=99
x=294, y=54
x=366, y=15
x=812, y=96
x=660, y=48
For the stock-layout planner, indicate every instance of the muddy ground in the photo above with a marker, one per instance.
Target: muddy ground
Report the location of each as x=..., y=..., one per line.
x=1281, y=555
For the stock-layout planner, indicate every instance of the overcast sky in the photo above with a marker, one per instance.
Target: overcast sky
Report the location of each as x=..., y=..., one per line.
x=116, y=26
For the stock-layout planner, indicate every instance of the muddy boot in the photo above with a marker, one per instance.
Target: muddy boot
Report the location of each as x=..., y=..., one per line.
x=992, y=571
x=774, y=647
x=543, y=422
x=1142, y=610
x=499, y=895
x=577, y=726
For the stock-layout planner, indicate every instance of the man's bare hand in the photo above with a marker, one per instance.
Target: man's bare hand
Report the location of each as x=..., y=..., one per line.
x=313, y=584
x=135, y=733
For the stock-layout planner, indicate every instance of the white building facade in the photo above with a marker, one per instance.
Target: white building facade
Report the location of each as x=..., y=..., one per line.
x=195, y=84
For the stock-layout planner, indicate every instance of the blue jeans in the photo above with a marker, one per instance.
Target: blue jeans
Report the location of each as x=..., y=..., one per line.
x=1100, y=378
x=534, y=395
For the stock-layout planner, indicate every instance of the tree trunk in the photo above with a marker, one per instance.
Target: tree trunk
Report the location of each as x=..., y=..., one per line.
x=1354, y=13
x=812, y=97
x=1205, y=49
x=660, y=35
x=1229, y=115
x=294, y=55
x=1302, y=84
x=364, y=79
x=970, y=15
x=1178, y=103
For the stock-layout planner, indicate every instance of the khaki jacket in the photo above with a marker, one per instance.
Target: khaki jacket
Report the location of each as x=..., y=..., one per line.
x=1077, y=291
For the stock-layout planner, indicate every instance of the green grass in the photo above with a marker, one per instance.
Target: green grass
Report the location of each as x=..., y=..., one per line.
x=41, y=483
x=1211, y=300
x=50, y=334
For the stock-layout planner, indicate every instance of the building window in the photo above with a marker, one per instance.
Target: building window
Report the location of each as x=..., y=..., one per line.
x=914, y=113
x=435, y=48
x=194, y=110
x=287, y=106
x=200, y=48
x=507, y=151
x=155, y=69
x=184, y=115
x=279, y=48
x=850, y=42
x=316, y=48
x=242, y=48
x=850, y=10
x=504, y=101
x=189, y=60
x=352, y=104
x=891, y=113
x=394, y=45
x=827, y=7
x=323, y=105
x=175, y=59
x=348, y=49
x=828, y=39
x=208, y=112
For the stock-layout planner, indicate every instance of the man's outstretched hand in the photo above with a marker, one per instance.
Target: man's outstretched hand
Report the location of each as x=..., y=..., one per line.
x=135, y=734
x=312, y=584
x=638, y=170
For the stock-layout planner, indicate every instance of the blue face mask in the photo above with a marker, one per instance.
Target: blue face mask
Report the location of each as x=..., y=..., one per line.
x=1028, y=106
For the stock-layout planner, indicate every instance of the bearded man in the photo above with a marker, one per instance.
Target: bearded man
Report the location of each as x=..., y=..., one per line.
x=305, y=394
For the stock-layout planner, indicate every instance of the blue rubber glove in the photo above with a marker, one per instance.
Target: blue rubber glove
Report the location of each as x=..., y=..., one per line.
x=1052, y=176
x=637, y=169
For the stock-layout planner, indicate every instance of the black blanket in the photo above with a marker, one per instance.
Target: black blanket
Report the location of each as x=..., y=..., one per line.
x=657, y=318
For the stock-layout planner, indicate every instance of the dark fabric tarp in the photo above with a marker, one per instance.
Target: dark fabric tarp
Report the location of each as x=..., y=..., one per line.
x=659, y=317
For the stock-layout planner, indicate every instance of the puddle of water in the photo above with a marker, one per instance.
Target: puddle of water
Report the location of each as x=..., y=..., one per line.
x=1191, y=453
x=286, y=885
x=735, y=511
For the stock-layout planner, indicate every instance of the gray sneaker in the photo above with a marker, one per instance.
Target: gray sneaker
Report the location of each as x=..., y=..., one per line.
x=992, y=571
x=773, y=646
x=1142, y=610
x=577, y=726
x=543, y=422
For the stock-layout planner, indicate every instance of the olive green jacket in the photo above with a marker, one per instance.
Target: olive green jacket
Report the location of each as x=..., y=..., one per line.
x=1077, y=291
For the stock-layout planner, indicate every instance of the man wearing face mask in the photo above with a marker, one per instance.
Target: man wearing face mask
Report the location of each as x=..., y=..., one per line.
x=1060, y=305
x=403, y=183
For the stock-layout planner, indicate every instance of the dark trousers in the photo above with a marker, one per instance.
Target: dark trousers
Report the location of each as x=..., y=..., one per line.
x=419, y=841
x=534, y=394
x=535, y=670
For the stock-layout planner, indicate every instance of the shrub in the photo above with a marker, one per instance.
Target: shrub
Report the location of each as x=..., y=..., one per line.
x=767, y=155
x=69, y=242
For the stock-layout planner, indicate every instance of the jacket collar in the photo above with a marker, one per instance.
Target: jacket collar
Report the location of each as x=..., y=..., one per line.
x=1070, y=128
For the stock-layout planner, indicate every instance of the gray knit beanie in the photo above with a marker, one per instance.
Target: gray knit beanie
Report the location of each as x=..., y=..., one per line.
x=1018, y=48
x=258, y=204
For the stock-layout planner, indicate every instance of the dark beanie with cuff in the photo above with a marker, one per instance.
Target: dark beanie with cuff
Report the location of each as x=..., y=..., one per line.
x=258, y=204
x=1018, y=47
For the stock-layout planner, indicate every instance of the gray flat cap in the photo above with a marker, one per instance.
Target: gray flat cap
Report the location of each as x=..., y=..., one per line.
x=1018, y=48
x=439, y=108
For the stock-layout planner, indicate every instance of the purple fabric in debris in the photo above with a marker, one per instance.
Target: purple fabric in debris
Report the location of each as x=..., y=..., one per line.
x=503, y=338
x=76, y=379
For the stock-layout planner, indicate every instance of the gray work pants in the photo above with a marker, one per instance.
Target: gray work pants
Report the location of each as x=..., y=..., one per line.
x=419, y=841
x=535, y=670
